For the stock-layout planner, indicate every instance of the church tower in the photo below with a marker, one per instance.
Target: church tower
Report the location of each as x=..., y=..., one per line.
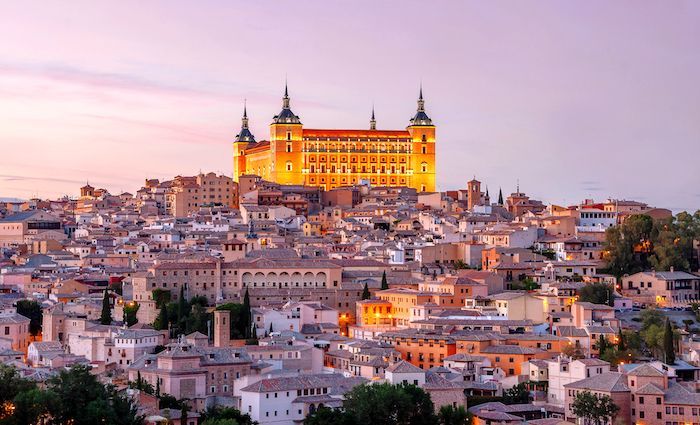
x=422, y=133
x=242, y=140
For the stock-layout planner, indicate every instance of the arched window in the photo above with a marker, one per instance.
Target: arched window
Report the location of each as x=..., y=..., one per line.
x=424, y=138
x=424, y=167
x=289, y=165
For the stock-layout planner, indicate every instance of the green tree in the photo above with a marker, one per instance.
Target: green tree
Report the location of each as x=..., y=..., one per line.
x=621, y=340
x=669, y=348
x=11, y=384
x=130, y=311
x=386, y=404
x=106, y=316
x=161, y=297
x=593, y=409
x=651, y=316
x=602, y=344
x=184, y=411
x=597, y=293
x=385, y=284
x=449, y=415
x=166, y=401
x=246, y=314
x=217, y=413
x=365, y=292
x=182, y=310
x=237, y=321
x=32, y=407
x=161, y=322
x=82, y=400
x=325, y=415
x=516, y=395
x=628, y=245
x=32, y=310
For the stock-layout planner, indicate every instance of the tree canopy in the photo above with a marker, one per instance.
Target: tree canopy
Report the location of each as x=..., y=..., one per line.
x=641, y=243
x=379, y=404
x=74, y=396
x=32, y=310
x=594, y=409
x=597, y=293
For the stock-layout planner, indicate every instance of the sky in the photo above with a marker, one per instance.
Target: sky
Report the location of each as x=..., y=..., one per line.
x=575, y=100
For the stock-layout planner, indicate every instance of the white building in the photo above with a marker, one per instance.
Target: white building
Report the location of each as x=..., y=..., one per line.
x=288, y=400
x=562, y=371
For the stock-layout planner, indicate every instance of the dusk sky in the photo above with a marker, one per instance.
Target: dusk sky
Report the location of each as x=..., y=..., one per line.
x=576, y=99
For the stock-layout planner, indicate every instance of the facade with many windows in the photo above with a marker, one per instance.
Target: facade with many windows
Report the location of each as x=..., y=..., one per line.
x=333, y=158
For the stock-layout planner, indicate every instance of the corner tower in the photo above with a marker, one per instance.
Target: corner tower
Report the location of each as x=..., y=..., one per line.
x=242, y=140
x=422, y=132
x=286, y=145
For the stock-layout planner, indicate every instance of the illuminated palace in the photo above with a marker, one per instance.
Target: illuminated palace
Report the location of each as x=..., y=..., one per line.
x=332, y=158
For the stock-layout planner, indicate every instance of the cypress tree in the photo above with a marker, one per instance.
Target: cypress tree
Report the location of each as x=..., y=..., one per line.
x=158, y=387
x=161, y=322
x=385, y=284
x=271, y=327
x=620, y=341
x=182, y=309
x=106, y=317
x=245, y=313
x=669, y=351
x=365, y=292
x=184, y=410
x=602, y=345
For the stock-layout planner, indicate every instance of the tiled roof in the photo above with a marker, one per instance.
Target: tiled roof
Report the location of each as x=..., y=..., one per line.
x=606, y=382
x=338, y=383
x=679, y=394
x=404, y=367
x=645, y=370
x=509, y=349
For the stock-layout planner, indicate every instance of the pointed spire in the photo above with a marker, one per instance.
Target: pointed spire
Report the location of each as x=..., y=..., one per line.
x=500, y=196
x=286, y=116
x=285, y=99
x=245, y=135
x=372, y=121
x=487, y=191
x=421, y=118
x=421, y=102
x=244, y=120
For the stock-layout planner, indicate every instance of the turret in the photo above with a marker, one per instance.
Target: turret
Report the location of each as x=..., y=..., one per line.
x=245, y=135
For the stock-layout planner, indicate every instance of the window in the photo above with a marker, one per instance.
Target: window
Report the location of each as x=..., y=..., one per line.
x=289, y=146
x=289, y=165
x=424, y=167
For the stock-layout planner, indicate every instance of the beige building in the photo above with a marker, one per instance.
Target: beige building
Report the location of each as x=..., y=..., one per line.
x=189, y=194
x=663, y=289
x=14, y=331
x=25, y=226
